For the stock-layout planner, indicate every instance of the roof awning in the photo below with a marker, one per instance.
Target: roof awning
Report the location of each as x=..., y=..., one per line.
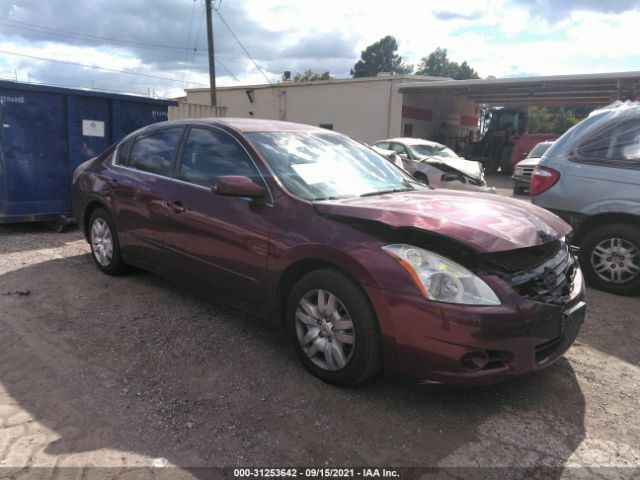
x=595, y=89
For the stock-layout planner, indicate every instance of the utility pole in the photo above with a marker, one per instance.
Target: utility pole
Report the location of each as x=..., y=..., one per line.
x=212, y=65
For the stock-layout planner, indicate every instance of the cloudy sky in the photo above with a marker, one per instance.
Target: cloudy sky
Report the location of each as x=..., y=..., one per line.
x=164, y=41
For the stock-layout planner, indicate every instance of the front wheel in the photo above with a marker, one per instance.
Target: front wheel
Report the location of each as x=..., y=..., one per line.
x=333, y=328
x=610, y=258
x=105, y=246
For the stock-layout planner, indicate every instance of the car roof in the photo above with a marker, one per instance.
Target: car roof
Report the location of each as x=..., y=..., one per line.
x=243, y=125
x=412, y=141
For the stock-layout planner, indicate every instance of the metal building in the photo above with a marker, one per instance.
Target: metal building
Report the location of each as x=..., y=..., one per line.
x=368, y=109
x=434, y=108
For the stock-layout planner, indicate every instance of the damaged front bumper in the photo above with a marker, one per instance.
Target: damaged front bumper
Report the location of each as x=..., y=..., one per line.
x=474, y=345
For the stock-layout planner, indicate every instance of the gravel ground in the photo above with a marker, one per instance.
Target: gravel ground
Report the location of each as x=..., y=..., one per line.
x=135, y=371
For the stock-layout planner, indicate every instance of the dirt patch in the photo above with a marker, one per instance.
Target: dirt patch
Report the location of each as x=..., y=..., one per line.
x=135, y=372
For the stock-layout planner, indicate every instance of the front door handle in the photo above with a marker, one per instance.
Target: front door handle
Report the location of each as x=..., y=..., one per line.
x=177, y=207
x=113, y=183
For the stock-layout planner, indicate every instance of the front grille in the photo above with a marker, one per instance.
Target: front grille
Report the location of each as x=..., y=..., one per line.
x=549, y=282
x=527, y=171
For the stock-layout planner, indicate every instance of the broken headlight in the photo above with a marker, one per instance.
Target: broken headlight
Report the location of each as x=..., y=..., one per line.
x=441, y=279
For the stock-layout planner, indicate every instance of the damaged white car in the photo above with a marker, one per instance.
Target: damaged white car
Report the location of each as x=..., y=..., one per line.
x=436, y=164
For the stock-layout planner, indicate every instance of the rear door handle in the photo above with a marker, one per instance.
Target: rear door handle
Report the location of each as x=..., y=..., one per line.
x=177, y=207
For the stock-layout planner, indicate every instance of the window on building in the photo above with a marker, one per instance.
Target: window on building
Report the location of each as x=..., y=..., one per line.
x=408, y=130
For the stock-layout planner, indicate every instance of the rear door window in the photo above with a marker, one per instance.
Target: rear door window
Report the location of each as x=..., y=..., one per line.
x=155, y=152
x=616, y=144
x=211, y=153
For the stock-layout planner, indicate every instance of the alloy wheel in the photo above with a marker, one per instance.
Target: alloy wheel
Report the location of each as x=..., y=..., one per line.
x=325, y=330
x=616, y=260
x=102, y=242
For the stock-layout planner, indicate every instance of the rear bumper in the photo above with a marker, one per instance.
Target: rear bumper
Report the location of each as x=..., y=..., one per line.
x=521, y=179
x=429, y=340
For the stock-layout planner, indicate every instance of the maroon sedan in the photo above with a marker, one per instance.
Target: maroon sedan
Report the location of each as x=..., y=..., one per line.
x=365, y=268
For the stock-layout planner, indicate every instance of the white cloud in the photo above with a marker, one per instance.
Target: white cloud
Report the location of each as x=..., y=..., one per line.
x=498, y=37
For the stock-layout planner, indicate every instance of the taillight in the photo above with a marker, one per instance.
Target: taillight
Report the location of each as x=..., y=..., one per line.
x=542, y=179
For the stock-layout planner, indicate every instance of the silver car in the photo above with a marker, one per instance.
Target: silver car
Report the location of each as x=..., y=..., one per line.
x=591, y=178
x=437, y=165
x=524, y=168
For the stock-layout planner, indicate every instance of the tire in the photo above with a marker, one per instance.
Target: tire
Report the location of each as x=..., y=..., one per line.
x=490, y=166
x=108, y=262
x=362, y=357
x=505, y=161
x=623, y=241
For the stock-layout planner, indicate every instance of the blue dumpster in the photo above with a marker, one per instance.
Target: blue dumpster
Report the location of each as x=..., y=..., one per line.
x=46, y=132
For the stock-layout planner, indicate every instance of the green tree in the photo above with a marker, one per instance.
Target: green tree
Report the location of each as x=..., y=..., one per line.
x=311, y=76
x=563, y=121
x=539, y=120
x=437, y=64
x=550, y=120
x=379, y=57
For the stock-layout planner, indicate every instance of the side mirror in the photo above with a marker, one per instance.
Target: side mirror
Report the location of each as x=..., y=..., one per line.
x=236, y=186
x=523, y=156
x=403, y=156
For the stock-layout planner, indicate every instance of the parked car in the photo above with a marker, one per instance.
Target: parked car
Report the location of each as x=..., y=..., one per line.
x=591, y=178
x=437, y=165
x=523, y=169
x=390, y=155
x=364, y=267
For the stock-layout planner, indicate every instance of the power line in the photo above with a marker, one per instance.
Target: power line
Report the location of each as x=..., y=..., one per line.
x=195, y=49
x=189, y=52
x=242, y=46
x=186, y=60
x=66, y=33
x=100, y=68
x=75, y=85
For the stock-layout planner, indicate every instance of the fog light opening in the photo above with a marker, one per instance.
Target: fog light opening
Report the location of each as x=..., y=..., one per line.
x=474, y=360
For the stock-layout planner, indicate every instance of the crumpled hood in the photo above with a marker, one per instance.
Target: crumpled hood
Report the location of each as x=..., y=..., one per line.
x=471, y=168
x=486, y=223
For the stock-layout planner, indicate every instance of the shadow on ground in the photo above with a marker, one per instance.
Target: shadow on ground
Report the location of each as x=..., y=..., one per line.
x=32, y=237
x=137, y=364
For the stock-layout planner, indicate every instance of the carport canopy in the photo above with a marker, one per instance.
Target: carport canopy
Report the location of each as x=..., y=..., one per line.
x=593, y=89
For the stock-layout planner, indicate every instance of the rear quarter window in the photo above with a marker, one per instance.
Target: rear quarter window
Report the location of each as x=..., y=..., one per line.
x=614, y=145
x=124, y=150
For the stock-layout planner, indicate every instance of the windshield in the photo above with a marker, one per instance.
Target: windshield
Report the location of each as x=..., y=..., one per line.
x=539, y=150
x=319, y=166
x=424, y=150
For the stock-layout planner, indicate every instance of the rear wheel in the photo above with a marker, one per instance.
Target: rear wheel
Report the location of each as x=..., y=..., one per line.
x=610, y=258
x=491, y=165
x=103, y=239
x=505, y=160
x=333, y=328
